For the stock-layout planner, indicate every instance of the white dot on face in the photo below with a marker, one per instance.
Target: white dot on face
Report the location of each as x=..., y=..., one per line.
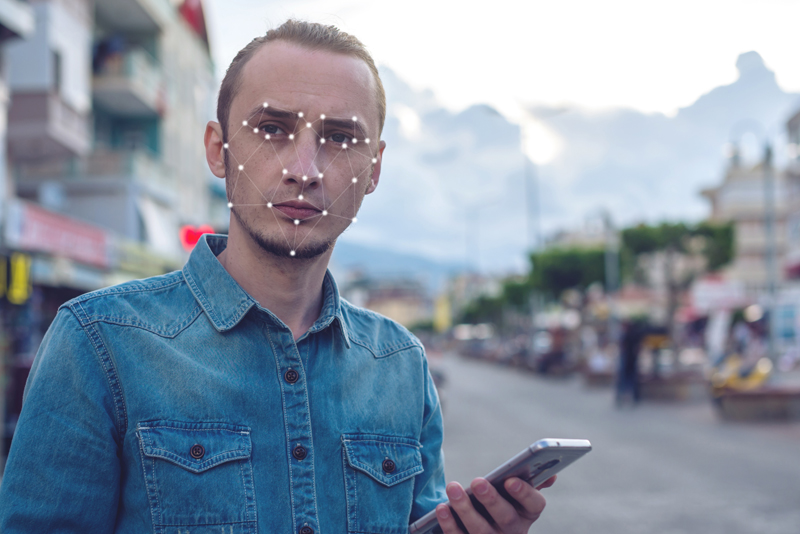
x=255, y=130
x=230, y=204
x=355, y=220
x=344, y=145
x=355, y=179
x=355, y=140
x=266, y=105
x=291, y=136
x=225, y=145
x=308, y=125
x=355, y=118
x=291, y=253
x=374, y=160
x=300, y=197
x=305, y=178
x=241, y=167
x=284, y=171
x=300, y=114
x=296, y=222
x=366, y=140
x=266, y=136
x=322, y=116
x=324, y=212
x=244, y=123
x=269, y=204
x=322, y=141
x=320, y=175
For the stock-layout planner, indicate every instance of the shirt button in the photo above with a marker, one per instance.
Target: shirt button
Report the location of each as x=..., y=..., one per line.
x=291, y=376
x=388, y=466
x=300, y=452
x=197, y=451
x=306, y=530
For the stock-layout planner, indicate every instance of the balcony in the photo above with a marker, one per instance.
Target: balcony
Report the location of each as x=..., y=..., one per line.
x=129, y=84
x=134, y=15
x=42, y=125
x=16, y=19
x=101, y=170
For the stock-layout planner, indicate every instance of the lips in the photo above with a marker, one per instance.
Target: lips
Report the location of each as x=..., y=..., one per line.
x=297, y=209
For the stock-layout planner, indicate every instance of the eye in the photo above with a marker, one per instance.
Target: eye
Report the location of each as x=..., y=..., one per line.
x=272, y=129
x=338, y=138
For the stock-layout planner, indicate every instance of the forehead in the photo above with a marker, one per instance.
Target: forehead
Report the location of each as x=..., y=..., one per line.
x=294, y=78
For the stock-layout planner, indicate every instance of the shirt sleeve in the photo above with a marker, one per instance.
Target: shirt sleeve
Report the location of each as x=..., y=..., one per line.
x=63, y=469
x=429, y=489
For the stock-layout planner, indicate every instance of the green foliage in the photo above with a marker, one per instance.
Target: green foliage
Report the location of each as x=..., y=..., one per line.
x=718, y=243
x=642, y=239
x=556, y=270
x=484, y=309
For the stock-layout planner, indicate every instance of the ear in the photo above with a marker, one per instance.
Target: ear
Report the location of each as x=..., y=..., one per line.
x=376, y=170
x=214, y=150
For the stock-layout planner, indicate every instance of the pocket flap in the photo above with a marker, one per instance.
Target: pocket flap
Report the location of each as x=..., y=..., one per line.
x=387, y=459
x=194, y=446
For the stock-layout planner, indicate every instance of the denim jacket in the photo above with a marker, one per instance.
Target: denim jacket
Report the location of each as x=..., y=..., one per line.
x=178, y=404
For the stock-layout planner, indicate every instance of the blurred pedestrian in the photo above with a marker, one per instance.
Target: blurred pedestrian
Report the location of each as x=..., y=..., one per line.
x=628, y=375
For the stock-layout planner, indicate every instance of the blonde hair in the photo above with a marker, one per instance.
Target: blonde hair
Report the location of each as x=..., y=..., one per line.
x=311, y=35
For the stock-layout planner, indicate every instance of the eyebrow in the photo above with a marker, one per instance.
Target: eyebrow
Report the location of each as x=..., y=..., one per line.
x=272, y=112
x=275, y=113
x=345, y=124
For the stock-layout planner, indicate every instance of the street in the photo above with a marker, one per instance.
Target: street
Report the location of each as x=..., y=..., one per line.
x=657, y=468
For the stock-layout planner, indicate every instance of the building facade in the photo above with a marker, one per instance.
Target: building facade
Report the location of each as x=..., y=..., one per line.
x=104, y=161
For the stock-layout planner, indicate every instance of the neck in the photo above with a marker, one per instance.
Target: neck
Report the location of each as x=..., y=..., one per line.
x=290, y=288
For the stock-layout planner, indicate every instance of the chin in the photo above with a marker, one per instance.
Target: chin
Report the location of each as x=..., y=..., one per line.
x=277, y=245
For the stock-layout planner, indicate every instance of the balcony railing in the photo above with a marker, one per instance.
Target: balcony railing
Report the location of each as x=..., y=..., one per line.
x=42, y=125
x=130, y=84
x=136, y=166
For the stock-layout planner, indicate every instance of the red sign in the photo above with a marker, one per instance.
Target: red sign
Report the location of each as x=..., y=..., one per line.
x=191, y=235
x=38, y=229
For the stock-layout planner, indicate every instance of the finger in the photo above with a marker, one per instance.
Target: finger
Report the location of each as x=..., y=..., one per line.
x=531, y=502
x=446, y=520
x=503, y=512
x=547, y=483
x=461, y=504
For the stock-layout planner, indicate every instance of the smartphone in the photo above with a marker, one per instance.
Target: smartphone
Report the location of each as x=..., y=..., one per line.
x=535, y=464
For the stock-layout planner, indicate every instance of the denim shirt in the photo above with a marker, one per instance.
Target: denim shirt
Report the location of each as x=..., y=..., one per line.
x=178, y=404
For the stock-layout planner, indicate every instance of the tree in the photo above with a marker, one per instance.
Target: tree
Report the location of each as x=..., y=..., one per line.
x=556, y=270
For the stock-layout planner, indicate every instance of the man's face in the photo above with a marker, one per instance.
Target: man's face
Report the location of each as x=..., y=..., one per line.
x=298, y=167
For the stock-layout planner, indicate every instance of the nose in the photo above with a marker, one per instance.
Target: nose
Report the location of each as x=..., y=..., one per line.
x=302, y=166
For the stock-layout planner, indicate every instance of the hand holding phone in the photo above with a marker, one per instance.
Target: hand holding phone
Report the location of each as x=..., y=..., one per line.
x=506, y=496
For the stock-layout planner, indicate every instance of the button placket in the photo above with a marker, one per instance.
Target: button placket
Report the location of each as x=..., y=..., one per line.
x=297, y=422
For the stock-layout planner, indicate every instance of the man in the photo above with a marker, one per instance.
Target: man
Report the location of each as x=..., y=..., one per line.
x=241, y=394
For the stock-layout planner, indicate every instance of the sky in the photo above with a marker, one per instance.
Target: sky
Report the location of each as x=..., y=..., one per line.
x=579, y=61
x=650, y=56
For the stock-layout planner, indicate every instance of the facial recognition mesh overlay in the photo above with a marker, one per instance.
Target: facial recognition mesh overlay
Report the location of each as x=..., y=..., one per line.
x=341, y=147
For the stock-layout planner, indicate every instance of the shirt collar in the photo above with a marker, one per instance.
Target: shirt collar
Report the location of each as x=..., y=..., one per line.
x=225, y=302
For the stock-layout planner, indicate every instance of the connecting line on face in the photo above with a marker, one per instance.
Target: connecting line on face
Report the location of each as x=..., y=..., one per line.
x=322, y=140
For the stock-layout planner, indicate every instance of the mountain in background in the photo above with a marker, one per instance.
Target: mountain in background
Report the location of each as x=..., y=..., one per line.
x=452, y=188
x=651, y=167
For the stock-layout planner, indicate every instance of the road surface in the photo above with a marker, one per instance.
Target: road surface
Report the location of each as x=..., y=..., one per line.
x=659, y=468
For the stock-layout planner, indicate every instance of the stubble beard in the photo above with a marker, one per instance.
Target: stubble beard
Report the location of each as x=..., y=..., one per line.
x=275, y=246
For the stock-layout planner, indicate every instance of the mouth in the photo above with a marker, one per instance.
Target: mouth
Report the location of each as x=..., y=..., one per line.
x=297, y=209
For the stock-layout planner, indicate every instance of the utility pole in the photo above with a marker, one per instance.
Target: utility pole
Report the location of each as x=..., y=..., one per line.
x=612, y=275
x=772, y=261
x=532, y=205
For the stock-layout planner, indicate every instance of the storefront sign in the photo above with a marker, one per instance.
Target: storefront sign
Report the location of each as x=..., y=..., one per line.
x=32, y=228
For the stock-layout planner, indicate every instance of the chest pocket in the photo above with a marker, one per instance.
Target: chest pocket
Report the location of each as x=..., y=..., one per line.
x=199, y=476
x=379, y=480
